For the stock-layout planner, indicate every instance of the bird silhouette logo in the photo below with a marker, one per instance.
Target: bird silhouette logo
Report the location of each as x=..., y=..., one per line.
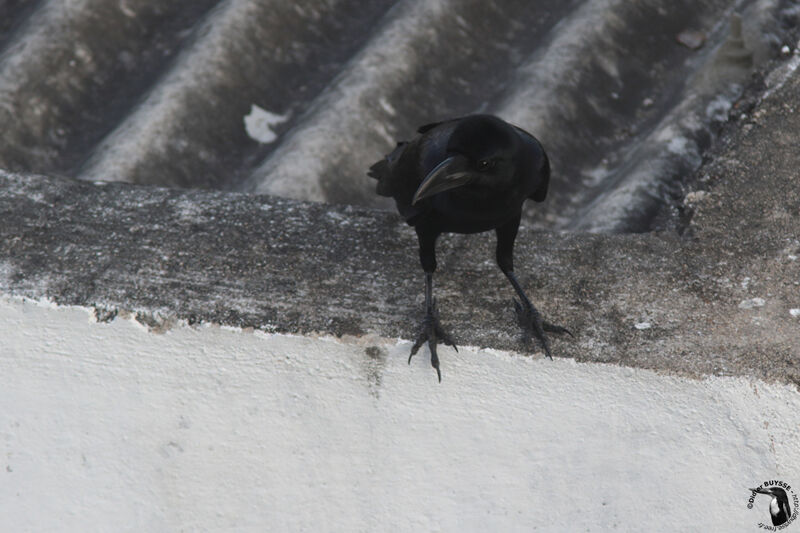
x=783, y=503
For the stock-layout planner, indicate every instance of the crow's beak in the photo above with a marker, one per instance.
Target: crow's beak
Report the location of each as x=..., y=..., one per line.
x=449, y=174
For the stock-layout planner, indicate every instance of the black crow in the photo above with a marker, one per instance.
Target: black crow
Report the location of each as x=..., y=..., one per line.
x=467, y=175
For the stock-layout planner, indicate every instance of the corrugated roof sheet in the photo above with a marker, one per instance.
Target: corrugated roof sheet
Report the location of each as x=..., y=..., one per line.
x=624, y=95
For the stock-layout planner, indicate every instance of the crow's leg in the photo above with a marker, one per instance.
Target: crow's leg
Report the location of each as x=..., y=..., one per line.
x=530, y=320
x=430, y=329
x=527, y=315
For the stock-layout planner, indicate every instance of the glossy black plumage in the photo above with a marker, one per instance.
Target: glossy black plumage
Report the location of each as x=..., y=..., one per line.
x=467, y=175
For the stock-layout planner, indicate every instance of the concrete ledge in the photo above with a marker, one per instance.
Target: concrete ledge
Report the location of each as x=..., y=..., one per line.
x=651, y=300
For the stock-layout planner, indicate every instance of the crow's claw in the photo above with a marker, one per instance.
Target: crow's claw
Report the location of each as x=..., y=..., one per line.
x=432, y=332
x=533, y=326
x=552, y=328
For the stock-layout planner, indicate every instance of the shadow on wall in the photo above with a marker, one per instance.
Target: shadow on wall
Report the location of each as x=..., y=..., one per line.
x=297, y=99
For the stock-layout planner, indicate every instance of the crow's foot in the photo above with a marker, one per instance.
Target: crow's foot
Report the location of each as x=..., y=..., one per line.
x=432, y=332
x=533, y=326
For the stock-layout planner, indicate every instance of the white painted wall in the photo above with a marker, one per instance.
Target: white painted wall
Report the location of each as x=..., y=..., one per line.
x=109, y=427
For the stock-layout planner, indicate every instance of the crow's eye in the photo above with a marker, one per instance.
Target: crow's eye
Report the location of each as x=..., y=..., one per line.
x=485, y=164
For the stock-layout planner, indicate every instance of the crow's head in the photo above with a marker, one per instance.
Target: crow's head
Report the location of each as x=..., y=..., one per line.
x=481, y=151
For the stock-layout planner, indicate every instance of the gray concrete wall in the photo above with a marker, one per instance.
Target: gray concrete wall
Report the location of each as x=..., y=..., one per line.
x=111, y=427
